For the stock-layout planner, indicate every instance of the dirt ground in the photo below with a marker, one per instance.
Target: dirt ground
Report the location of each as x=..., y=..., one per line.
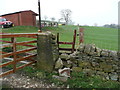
x=17, y=80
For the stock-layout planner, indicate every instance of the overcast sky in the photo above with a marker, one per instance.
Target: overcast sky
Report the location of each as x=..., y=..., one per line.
x=84, y=12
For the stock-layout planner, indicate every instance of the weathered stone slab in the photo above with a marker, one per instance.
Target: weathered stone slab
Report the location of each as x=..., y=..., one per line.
x=65, y=72
x=58, y=64
x=92, y=51
x=84, y=64
x=87, y=49
x=45, y=56
x=76, y=69
x=113, y=54
x=81, y=47
x=98, y=51
x=104, y=53
x=114, y=76
x=64, y=56
x=106, y=67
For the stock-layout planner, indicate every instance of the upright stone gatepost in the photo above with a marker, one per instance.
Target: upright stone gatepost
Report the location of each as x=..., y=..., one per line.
x=47, y=51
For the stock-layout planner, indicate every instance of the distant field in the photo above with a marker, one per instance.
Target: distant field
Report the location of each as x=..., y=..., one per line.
x=105, y=38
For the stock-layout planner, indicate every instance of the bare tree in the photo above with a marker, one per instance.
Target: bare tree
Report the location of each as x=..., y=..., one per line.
x=66, y=15
x=60, y=19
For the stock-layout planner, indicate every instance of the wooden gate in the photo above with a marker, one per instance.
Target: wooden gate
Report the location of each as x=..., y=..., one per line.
x=15, y=53
x=69, y=43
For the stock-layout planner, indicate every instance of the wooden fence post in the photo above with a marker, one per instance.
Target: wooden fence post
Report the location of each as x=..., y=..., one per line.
x=81, y=35
x=74, y=39
x=12, y=40
x=58, y=41
x=14, y=55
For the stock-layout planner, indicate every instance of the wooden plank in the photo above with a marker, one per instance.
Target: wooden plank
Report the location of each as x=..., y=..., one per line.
x=25, y=65
x=6, y=55
x=6, y=73
x=17, y=52
x=26, y=50
x=5, y=41
x=28, y=53
x=18, y=60
x=7, y=63
x=27, y=57
x=28, y=45
x=12, y=71
x=26, y=42
x=17, y=35
x=65, y=42
x=19, y=43
x=6, y=45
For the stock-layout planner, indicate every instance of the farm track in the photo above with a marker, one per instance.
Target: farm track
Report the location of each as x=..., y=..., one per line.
x=20, y=80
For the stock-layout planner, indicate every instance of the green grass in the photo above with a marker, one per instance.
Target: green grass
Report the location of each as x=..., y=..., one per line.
x=77, y=80
x=80, y=80
x=20, y=29
x=104, y=38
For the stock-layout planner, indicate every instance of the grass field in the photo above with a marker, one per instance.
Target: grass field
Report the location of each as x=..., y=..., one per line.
x=104, y=38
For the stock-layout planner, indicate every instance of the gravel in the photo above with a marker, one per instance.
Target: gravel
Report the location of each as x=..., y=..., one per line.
x=17, y=80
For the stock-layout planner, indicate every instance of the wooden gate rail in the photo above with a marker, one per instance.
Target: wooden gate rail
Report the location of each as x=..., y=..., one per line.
x=18, y=60
x=12, y=71
x=13, y=43
x=1, y=52
x=19, y=43
x=69, y=43
x=9, y=35
x=17, y=52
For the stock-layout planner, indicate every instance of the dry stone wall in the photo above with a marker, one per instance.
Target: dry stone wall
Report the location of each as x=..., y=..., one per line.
x=88, y=59
x=92, y=60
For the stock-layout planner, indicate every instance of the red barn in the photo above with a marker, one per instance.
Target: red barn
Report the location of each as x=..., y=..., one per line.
x=22, y=18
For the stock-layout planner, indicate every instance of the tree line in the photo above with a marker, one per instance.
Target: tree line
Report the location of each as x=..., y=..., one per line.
x=112, y=26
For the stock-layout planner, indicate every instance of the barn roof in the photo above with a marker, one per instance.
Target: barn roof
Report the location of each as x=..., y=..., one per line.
x=20, y=12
